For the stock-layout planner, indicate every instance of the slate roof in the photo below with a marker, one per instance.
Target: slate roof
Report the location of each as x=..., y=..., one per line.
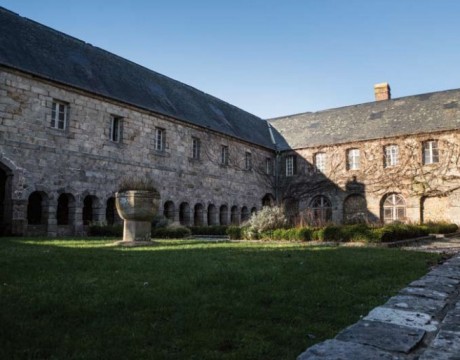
x=424, y=113
x=36, y=49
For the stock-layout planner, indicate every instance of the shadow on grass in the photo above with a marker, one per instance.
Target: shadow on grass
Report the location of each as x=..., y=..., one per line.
x=79, y=298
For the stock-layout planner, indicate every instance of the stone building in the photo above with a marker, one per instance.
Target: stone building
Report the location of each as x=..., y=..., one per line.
x=75, y=120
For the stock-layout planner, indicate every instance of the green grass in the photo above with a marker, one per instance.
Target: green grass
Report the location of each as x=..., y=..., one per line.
x=83, y=299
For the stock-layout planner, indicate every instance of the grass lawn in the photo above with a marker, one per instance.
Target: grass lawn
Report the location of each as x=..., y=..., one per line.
x=83, y=299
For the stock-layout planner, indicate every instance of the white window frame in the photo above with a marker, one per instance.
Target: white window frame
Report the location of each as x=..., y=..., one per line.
x=320, y=162
x=115, y=128
x=160, y=139
x=196, y=148
x=353, y=159
x=59, y=115
x=430, y=152
x=248, y=161
x=394, y=208
x=269, y=166
x=290, y=165
x=391, y=155
x=224, y=155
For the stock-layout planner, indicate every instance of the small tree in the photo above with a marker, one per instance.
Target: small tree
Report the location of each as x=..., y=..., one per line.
x=269, y=218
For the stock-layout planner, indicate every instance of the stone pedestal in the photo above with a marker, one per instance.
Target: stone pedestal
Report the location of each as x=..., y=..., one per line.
x=137, y=208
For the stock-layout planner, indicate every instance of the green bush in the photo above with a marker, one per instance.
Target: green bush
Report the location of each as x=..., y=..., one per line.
x=172, y=232
x=305, y=234
x=234, y=232
x=396, y=232
x=209, y=230
x=105, y=230
x=332, y=233
x=441, y=227
x=318, y=234
x=269, y=218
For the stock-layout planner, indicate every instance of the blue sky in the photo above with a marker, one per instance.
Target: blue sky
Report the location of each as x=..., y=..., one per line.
x=274, y=58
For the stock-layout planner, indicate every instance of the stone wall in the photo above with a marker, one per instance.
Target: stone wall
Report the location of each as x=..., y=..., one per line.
x=82, y=161
x=430, y=191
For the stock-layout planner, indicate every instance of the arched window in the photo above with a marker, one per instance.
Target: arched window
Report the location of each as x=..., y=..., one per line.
x=110, y=211
x=198, y=215
x=234, y=216
x=393, y=208
x=184, y=214
x=35, y=209
x=169, y=210
x=212, y=215
x=223, y=215
x=321, y=209
x=245, y=214
x=87, y=210
x=268, y=200
x=253, y=210
x=65, y=211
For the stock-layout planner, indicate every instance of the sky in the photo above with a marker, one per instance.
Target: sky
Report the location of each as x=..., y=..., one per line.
x=274, y=58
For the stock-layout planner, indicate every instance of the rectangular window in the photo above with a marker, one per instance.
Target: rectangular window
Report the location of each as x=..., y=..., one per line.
x=160, y=139
x=196, y=148
x=59, y=114
x=224, y=155
x=353, y=159
x=115, y=128
x=268, y=166
x=430, y=152
x=320, y=162
x=391, y=155
x=248, y=161
x=290, y=165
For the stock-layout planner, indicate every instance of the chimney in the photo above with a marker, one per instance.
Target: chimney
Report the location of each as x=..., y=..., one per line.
x=382, y=91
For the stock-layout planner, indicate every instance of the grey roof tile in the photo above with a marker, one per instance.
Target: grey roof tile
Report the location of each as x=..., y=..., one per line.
x=424, y=113
x=34, y=48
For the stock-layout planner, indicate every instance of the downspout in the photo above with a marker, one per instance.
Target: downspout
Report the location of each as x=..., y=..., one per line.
x=277, y=161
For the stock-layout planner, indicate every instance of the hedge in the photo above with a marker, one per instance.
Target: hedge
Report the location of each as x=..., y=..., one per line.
x=105, y=230
x=175, y=232
x=209, y=230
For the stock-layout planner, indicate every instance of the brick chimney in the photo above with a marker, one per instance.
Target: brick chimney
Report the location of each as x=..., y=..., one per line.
x=382, y=91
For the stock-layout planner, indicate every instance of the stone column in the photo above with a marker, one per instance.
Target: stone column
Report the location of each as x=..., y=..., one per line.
x=51, y=220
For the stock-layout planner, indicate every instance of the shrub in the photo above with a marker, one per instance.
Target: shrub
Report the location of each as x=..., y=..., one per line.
x=318, y=234
x=269, y=218
x=209, y=230
x=160, y=221
x=332, y=233
x=172, y=232
x=305, y=234
x=441, y=227
x=357, y=232
x=105, y=230
x=234, y=232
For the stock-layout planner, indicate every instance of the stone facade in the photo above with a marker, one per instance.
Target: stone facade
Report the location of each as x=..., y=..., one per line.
x=428, y=189
x=82, y=162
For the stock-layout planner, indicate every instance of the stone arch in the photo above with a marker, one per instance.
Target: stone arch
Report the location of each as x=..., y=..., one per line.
x=111, y=213
x=198, y=215
x=37, y=208
x=321, y=210
x=6, y=202
x=268, y=200
x=169, y=210
x=393, y=208
x=65, y=211
x=354, y=209
x=223, y=215
x=245, y=214
x=234, y=215
x=184, y=214
x=212, y=215
x=90, y=209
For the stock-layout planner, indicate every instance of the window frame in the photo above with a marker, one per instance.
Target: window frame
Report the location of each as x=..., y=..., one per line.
x=353, y=159
x=196, y=148
x=224, y=155
x=160, y=139
x=430, y=153
x=391, y=153
x=290, y=166
x=115, y=128
x=55, y=115
x=248, y=161
x=319, y=160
